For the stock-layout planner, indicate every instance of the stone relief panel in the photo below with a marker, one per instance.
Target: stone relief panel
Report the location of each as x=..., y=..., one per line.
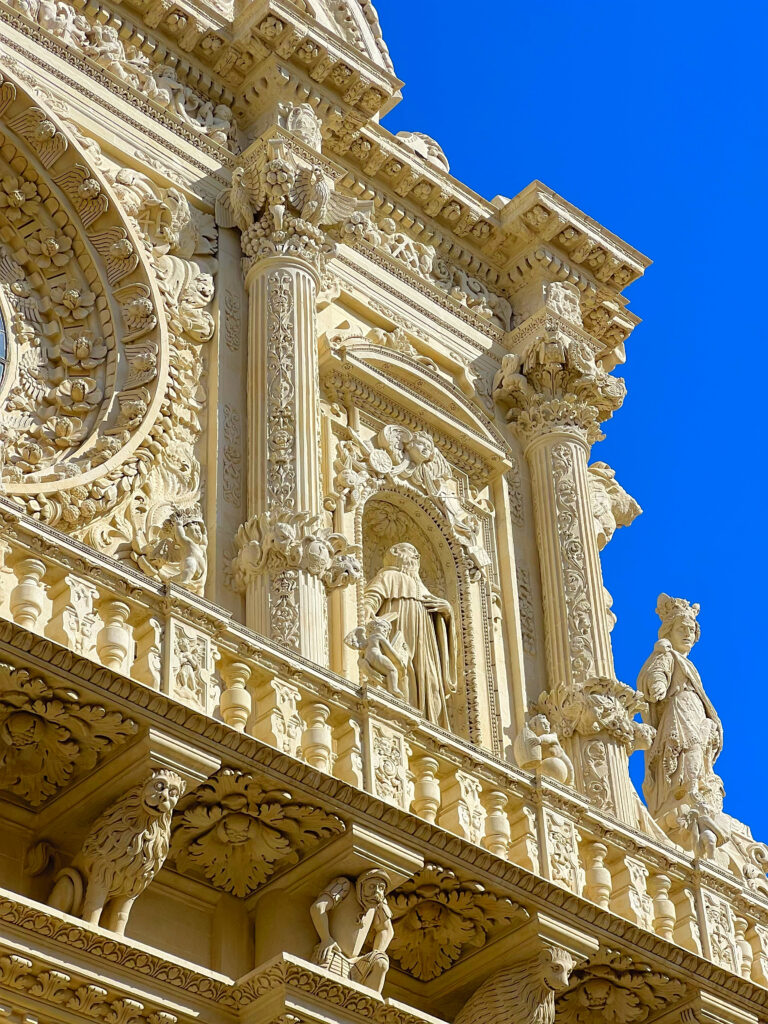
x=109, y=279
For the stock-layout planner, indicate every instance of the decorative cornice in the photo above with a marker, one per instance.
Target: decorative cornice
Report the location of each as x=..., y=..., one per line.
x=508, y=879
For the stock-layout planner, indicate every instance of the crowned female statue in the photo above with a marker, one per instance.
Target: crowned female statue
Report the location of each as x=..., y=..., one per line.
x=398, y=593
x=680, y=785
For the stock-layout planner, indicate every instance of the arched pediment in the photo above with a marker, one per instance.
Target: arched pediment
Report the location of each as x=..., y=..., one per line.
x=433, y=397
x=82, y=308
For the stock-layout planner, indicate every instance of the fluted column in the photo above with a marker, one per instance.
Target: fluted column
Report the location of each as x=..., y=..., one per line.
x=285, y=602
x=555, y=396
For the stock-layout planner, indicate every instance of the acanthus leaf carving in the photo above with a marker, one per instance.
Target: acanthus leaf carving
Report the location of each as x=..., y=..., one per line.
x=48, y=736
x=618, y=989
x=437, y=918
x=237, y=834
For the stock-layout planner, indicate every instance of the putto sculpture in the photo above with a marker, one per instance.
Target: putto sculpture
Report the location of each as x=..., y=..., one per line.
x=344, y=914
x=684, y=794
x=125, y=848
x=426, y=624
x=537, y=749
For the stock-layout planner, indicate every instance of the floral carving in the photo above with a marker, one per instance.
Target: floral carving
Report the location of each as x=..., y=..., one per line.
x=437, y=918
x=18, y=198
x=238, y=834
x=50, y=249
x=47, y=736
x=618, y=989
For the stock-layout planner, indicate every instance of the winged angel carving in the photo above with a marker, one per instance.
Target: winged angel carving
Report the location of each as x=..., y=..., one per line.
x=413, y=460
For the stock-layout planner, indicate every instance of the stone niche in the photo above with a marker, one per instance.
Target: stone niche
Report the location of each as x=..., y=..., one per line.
x=386, y=521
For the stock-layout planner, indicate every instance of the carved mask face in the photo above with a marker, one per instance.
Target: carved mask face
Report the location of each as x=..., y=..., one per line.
x=421, y=448
x=162, y=792
x=594, y=994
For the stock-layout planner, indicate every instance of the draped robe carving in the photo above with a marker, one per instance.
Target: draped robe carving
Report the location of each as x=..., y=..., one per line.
x=426, y=624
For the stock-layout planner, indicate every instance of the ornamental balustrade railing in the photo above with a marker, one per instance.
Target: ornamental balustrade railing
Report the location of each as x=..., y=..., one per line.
x=164, y=637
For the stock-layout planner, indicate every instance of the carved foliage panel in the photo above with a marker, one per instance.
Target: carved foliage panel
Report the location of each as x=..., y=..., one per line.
x=50, y=735
x=237, y=833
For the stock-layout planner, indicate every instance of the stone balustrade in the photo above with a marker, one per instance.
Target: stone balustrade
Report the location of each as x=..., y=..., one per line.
x=191, y=650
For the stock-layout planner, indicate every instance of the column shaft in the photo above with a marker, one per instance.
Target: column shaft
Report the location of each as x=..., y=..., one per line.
x=285, y=603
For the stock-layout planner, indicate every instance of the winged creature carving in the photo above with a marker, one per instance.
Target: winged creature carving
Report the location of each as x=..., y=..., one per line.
x=238, y=205
x=314, y=198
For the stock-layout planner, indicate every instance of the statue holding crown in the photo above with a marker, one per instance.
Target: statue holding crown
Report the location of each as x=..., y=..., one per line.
x=684, y=794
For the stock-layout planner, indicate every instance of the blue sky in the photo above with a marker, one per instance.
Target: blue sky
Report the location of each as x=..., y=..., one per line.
x=652, y=119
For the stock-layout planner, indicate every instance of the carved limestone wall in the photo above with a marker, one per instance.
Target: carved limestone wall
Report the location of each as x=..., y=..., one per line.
x=107, y=280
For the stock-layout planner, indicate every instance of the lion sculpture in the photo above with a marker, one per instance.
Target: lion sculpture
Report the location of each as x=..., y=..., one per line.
x=122, y=853
x=523, y=993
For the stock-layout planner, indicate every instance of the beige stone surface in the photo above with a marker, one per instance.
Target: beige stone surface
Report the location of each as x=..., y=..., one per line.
x=308, y=709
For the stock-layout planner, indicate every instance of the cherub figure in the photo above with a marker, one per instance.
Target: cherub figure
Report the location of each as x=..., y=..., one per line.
x=538, y=750
x=385, y=659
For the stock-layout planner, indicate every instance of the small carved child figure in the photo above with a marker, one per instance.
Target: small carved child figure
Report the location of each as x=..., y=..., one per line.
x=538, y=750
x=344, y=914
x=384, y=658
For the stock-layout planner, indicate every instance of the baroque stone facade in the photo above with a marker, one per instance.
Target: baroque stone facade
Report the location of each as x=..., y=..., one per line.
x=308, y=710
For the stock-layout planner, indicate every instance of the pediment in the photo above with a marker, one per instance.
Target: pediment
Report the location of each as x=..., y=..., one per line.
x=354, y=21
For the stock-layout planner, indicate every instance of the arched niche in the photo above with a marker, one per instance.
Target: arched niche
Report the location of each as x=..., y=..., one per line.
x=389, y=517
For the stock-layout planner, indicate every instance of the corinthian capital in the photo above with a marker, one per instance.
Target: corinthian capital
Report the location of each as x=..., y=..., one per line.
x=552, y=382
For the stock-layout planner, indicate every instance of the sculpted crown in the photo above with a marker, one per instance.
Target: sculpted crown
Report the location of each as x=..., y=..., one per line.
x=668, y=608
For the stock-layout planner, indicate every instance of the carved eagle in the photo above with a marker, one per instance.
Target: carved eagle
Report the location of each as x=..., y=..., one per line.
x=316, y=201
x=237, y=205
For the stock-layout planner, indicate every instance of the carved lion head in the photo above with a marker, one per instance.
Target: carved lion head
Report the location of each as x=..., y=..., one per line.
x=162, y=791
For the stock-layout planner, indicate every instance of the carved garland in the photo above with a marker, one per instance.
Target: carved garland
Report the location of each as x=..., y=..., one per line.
x=575, y=572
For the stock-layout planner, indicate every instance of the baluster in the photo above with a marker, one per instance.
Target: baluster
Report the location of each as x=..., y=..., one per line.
x=663, y=907
x=235, y=702
x=115, y=640
x=317, y=739
x=497, y=829
x=598, y=880
x=426, y=789
x=743, y=947
x=28, y=596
